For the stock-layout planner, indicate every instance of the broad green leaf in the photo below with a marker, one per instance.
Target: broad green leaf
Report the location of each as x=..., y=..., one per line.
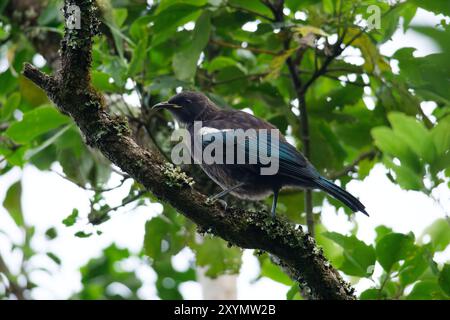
x=294, y=293
x=35, y=123
x=220, y=63
x=12, y=203
x=100, y=80
x=441, y=136
x=30, y=92
x=214, y=254
x=392, y=248
x=167, y=21
x=444, y=279
x=372, y=294
x=185, y=61
x=155, y=232
x=274, y=272
x=405, y=177
x=252, y=5
x=426, y=290
x=381, y=232
x=359, y=258
x=12, y=103
x=139, y=56
x=414, y=266
x=414, y=134
x=389, y=142
x=120, y=15
x=439, y=232
x=435, y=6
x=162, y=236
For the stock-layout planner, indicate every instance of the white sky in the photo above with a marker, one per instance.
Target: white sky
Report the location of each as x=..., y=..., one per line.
x=48, y=199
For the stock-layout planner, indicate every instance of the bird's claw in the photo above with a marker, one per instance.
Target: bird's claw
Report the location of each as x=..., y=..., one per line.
x=212, y=200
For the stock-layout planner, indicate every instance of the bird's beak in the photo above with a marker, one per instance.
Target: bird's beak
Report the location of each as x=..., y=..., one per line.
x=163, y=105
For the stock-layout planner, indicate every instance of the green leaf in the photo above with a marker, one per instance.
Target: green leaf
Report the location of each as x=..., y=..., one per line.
x=389, y=142
x=139, y=56
x=35, y=123
x=407, y=178
x=435, y=6
x=293, y=293
x=392, y=248
x=12, y=203
x=371, y=294
x=214, y=254
x=220, y=63
x=100, y=80
x=359, y=258
x=70, y=220
x=185, y=61
x=155, y=232
x=439, y=233
x=414, y=266
x=414, y=134
x=162, y=236
x=444, y=279
x=381, y=232
x=426, y=290
x=167, y=20
x=274, y=272
x=82, y=234
x=12, y=103
x=252, y=5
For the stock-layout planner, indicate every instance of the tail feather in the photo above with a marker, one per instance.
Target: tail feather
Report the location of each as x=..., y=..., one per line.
x=341, y=195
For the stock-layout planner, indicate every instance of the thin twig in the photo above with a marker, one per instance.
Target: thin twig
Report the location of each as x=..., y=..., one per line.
x=352, y=167
x=124, y=178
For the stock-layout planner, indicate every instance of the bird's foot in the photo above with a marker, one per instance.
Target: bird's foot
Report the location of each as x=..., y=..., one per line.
x=212, y=200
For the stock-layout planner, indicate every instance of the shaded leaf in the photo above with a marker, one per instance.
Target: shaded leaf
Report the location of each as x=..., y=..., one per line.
x=359, y=258
x=12, y=203
x=35, y=123
x=392, y=248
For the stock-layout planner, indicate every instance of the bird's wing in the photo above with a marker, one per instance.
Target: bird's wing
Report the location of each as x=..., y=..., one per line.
x=292, y=163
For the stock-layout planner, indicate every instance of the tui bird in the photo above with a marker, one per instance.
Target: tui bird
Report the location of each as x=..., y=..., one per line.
x=245, y=180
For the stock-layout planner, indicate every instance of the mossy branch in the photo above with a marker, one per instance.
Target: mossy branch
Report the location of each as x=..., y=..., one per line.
x=70, y=89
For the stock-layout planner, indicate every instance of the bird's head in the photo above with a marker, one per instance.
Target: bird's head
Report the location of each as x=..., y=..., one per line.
x=188, y=106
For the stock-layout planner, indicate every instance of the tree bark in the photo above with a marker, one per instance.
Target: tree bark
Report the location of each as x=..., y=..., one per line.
x=70, y=89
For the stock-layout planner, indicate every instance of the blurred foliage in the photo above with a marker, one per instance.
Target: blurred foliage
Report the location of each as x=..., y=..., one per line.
x=150, y=50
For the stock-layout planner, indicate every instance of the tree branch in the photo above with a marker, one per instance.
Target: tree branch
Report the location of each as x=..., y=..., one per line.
x=351, y=167
x=71, y=91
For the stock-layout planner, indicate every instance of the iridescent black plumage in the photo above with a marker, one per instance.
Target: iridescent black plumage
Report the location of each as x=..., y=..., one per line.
x=245, y=180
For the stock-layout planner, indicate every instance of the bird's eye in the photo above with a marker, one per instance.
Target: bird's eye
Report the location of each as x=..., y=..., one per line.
x=188, y=101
